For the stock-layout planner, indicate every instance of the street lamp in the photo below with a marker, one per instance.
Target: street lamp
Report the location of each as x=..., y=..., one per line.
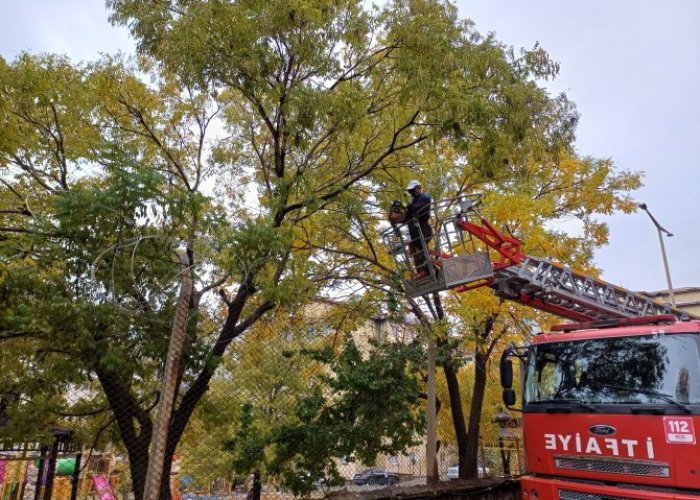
x=660, y=230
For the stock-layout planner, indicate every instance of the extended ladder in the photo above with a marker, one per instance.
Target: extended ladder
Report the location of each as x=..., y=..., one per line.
x=454, y=262
x=561, y=291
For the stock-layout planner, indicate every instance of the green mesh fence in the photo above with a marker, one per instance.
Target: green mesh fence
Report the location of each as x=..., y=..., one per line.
x=231, y=442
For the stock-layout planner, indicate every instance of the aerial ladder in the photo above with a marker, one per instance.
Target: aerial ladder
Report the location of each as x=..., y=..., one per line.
x=459, y=257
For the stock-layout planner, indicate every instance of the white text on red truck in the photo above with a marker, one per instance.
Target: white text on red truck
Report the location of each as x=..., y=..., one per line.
x=594, y=446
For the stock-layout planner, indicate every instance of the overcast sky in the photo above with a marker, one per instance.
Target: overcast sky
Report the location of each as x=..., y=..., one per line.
x=633, y=69
x=631, y=66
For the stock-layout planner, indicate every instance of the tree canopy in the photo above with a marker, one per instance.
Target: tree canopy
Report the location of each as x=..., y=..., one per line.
x=265, y=138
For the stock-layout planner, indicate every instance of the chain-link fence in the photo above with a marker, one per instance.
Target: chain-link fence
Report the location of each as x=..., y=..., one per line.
x=249, y=435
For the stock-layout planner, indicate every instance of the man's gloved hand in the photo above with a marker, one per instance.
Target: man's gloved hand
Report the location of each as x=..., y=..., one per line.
x=396, y=212
x=395, y=217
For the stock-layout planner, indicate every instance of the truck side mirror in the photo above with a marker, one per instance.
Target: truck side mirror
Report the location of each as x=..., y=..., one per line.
x=506, y=371
x=508, y=397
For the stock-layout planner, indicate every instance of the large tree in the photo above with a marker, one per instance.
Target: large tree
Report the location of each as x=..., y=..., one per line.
x=543, y=189
x=321, y=110
x=101, y=177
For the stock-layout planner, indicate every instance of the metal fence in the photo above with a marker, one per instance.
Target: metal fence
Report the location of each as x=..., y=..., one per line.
x=214, y=460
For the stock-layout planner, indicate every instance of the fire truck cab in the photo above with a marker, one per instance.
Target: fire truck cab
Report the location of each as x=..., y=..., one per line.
x=611, y=410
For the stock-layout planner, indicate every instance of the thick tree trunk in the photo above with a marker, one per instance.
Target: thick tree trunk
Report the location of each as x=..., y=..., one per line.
x=138, y=464
x=233, y=327
x=165, y=492
x=134, y=422
x=457, y=416
x=136, y=443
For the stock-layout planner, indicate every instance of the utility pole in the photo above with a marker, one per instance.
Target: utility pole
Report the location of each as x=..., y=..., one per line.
x=431, y=434
x=660, y=230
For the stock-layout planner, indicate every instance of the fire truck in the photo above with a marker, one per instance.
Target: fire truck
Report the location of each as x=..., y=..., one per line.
x=610, y=402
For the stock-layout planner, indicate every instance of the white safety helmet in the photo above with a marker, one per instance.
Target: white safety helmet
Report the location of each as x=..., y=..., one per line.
x=412, y=184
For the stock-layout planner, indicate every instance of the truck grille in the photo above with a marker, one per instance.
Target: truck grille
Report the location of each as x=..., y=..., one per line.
x=613, y=466
x=578, y=495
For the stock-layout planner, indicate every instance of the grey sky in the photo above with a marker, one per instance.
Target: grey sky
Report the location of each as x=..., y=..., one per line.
x=633, y=69
x=631, y=66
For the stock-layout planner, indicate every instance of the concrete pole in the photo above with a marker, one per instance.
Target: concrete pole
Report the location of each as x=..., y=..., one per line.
x=431, y=434
x=159, y=440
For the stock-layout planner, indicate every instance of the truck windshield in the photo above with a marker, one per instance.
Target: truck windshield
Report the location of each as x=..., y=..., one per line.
x=633, y=370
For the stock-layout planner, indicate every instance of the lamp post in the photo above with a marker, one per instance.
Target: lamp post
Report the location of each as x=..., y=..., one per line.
x=660, y=230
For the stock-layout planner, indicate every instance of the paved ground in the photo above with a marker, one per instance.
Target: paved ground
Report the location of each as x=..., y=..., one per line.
x=414, y=488
x=271, y=494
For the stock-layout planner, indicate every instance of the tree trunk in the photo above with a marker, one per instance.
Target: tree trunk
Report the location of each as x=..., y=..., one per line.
x=457, y=416
x=165, y=492
x=467, y=436
x=137, y=451
x=472, y=437
x=180, y=416
x=126, y=413
x=138, y=463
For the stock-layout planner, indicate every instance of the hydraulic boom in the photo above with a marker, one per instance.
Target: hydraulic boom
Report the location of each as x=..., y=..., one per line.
x=456, y=263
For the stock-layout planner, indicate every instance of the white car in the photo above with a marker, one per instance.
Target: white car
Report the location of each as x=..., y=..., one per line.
x=453, y=471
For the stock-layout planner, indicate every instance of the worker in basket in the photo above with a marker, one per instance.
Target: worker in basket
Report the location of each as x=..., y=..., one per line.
x=417, y=215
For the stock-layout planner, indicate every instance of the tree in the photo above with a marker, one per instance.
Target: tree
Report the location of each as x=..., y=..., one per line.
x=543, y=184
x=412, y=72
x=528, y=200
x=321, y=106
x=361, y=406
x=103, y=175
x=368, y=99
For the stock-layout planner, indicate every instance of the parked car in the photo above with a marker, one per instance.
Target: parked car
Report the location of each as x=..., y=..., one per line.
x=453, y=471
x=375, y=476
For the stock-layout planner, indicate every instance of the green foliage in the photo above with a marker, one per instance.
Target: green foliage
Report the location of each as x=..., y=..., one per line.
x=321, y=110
x=360, y=406
x=248, y=443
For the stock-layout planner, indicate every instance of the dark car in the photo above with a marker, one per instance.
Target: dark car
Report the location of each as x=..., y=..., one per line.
x=375, y=476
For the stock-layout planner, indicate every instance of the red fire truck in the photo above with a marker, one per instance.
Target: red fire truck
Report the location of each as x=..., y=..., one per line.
x=611, y=410
x=611, y=404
